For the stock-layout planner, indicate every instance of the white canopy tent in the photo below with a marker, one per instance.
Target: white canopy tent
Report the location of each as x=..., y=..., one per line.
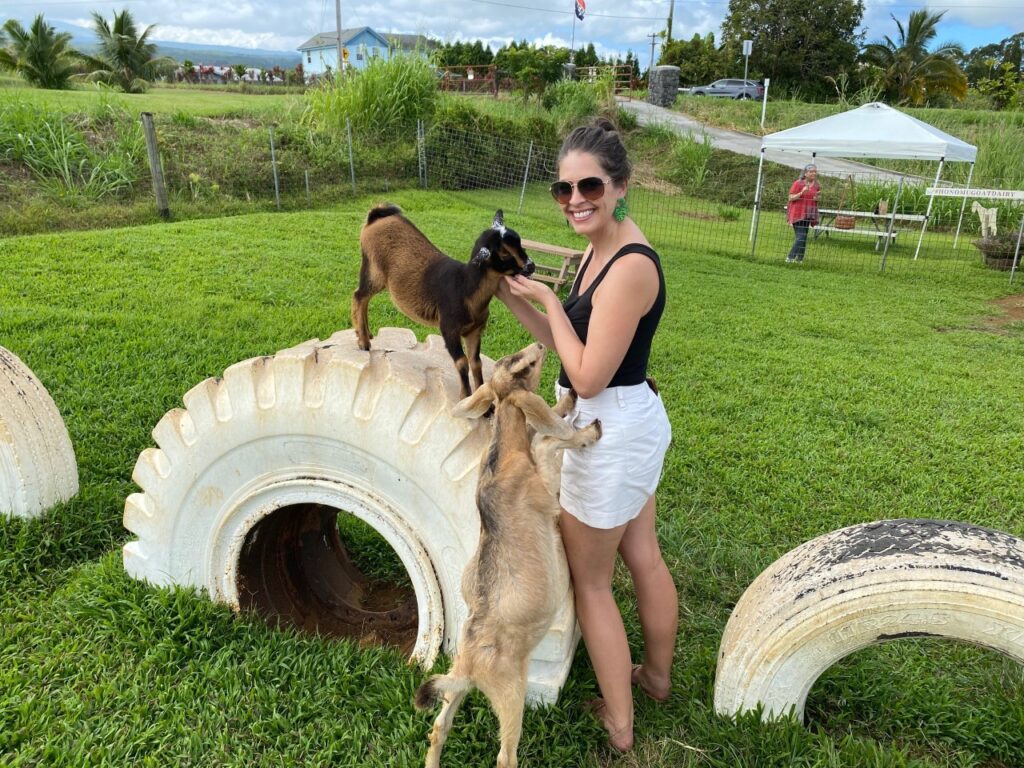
x=873, y=130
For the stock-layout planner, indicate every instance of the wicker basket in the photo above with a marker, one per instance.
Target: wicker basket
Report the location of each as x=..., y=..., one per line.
x=845, y=222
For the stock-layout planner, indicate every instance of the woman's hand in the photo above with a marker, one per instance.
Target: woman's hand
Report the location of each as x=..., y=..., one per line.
x=525, y=288
x=502, y=291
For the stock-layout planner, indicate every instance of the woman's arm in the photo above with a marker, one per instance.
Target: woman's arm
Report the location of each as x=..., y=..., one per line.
x=534, y=321
x=626, y=294
x=798, y=188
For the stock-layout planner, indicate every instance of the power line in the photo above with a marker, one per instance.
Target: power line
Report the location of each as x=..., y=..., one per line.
x=567, y=13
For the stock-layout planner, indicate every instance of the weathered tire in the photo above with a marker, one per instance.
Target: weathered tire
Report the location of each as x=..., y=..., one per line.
x=863, y=585
x=321, y=428
x=37, y=462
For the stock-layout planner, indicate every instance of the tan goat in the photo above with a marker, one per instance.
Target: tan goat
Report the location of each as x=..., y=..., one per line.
x=509, y=586
x=432, y=288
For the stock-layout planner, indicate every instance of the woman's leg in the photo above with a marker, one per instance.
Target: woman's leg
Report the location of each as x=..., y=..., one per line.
x=591, y=554
x=796, y=252
x=801, y=238
x=657, y=601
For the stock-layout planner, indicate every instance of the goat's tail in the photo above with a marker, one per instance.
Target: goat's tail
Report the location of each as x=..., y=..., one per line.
x=382, y=211
x=431, y=691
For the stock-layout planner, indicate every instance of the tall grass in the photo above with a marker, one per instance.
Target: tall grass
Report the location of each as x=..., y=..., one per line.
x=385, y=99
x=54, y=147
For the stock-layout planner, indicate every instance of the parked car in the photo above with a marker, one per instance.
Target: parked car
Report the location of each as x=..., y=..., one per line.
x=730, y=89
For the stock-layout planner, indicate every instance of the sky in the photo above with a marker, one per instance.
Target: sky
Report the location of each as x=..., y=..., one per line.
x=614, y=28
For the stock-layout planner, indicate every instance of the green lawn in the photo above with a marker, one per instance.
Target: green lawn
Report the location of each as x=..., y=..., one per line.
x=195, y=101
x=801, y=401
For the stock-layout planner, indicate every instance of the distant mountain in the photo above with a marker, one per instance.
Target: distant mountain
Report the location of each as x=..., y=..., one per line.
x=217, y=55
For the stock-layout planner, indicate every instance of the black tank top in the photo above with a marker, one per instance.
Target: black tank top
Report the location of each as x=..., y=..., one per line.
x=633, y=369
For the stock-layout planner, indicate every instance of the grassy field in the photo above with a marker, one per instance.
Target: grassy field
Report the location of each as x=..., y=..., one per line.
x=801, y=401
x=196, y=101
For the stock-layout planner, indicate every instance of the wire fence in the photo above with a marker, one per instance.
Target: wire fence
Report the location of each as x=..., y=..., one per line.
x=867, y=221
x=870, y=221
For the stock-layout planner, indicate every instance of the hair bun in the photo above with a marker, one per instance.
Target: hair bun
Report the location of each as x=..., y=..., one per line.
x=605, y=124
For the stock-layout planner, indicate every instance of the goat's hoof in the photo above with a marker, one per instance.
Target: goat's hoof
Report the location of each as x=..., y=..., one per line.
x=598, y=431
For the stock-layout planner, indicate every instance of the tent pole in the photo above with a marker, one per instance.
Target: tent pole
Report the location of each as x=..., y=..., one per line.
x=963, y=205
x=928, y=213
x=892, y=222
x=757, y=197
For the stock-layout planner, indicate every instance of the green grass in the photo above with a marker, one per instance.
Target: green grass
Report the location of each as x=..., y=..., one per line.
x=801, y=401
x=198, y=101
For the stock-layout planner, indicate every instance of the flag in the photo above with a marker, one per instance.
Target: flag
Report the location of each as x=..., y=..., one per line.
x=581, y=8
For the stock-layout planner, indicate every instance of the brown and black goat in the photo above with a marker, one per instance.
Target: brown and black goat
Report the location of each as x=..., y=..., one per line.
x=432, y=288
x=517, y=577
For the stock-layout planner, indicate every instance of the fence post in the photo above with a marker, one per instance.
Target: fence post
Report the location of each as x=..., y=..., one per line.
x=351, y=164
x=526, y=176
x=421, y=153
x=159, y=190
x=309, y=199
x=273, y=164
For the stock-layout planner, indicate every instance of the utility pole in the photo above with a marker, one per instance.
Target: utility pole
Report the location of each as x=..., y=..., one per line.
x=652, y=36
x=337, y=17
x=671, y=12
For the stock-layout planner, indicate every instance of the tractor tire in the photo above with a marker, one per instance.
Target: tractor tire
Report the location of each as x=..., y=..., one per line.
x=863, y=585
x=242, y=496
x=37, y=462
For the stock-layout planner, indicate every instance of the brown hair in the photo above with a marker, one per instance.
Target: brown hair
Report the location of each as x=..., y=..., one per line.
x=602, y=140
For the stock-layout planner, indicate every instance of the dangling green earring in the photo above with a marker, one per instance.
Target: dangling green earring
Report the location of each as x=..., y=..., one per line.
x=621, y=209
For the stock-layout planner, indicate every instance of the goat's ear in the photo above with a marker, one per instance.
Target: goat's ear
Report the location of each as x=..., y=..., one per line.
x=476, y=405
x=499, y=221
x=480, y=257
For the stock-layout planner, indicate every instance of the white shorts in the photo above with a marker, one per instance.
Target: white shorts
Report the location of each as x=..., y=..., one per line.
x=606, y=484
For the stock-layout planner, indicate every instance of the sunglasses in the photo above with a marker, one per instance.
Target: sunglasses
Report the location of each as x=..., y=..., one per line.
x=592, y=188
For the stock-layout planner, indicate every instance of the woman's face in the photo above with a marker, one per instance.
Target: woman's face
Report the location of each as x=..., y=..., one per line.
x=811, y=174
x=587, y=216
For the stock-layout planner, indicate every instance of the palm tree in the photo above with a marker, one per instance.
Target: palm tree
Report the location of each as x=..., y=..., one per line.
x=126, y=59
x=39, y=54
x=908, y=72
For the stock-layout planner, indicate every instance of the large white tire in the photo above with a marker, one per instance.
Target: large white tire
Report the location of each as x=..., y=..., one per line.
x=37, y=462
x=863, y=585
x=242, y=495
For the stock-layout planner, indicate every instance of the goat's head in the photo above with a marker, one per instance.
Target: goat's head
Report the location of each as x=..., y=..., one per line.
x=515, y=372
x=500, y=249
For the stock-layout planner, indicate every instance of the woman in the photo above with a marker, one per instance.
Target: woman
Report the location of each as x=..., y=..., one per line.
x=603, y=337
x=803, y=209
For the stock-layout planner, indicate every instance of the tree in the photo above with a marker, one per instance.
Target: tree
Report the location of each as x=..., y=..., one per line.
x=126, y=59
x=240, y=71
x=532, y=67
x=586, y=57
x=987, y=60
x=797, y=44
x=698, y=59
x=39, y=54
x=908, y=72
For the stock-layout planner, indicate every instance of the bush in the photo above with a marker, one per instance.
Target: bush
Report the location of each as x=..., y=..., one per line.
x=570, y=103
x=382, y=101
x=467, y=141
x=66, y=163
x=691, y=161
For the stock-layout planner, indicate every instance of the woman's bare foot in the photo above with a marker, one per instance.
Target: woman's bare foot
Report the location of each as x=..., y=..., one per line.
x=620, y=738
x=660, y=691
